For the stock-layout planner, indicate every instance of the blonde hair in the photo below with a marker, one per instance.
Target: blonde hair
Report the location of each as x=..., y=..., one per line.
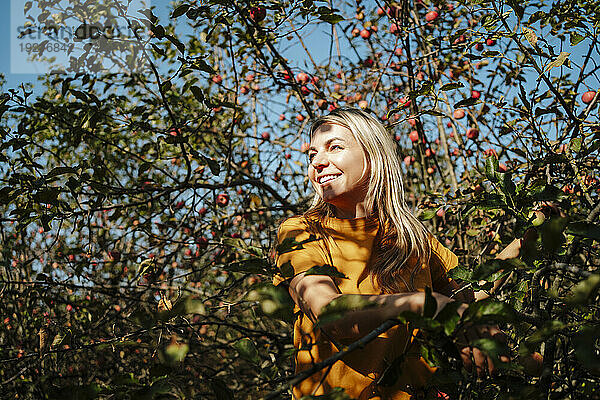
x=401, y=236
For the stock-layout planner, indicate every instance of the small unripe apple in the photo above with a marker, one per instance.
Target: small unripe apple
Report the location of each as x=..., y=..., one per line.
x=431, y=16
x=588, y=96
x=536, y=217
x=413, y=136
x=257, y=14
x=459, y=113
x=222, y=199
x=365, y=34
x=475, y=94
x=217, y=79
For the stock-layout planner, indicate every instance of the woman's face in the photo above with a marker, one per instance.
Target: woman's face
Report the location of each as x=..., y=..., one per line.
x=338, y=167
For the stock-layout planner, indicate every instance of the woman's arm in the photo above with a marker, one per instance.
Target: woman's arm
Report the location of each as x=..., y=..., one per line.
x=313, y=292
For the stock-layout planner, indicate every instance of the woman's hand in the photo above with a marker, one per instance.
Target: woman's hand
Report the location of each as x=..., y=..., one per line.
x=473, y=356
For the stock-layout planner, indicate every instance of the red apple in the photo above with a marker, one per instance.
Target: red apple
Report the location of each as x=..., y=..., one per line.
x=355, y=32
x=472, y=133
x=300, y=117
x=412, y=121
x=363, y=104
x=380, y=11
x=404, y=102
x=217, y=79
x=265, y=135
x=202, y=211
x=431, y=16
x=398, y=51
x=440, y=212
x=304, y=90
x=460, y=39
x=304, y=147
x=394, y=29
x=413, y=136
x=244, y=89
x=449, y=124
x=459, y=113
x=588, y=96
x=69, y=308
x=430, y=170
x=475, y=94
x=479, y=46
x=302, y=77
x=222, y=199
x=365, y=34
x=429, y=152
x=490, y=42
x=257, y=14
x=281, y=117
x=322, y=104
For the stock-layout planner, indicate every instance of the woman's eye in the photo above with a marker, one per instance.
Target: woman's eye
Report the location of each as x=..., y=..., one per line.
x=335, y=147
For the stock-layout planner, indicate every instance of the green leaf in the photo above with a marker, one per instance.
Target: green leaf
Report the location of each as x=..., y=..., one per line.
x=451, y=86
x=530, y=36
x=328, y=270
x=331, y=18
x=428, y=214
x=517, y=7
x=575, y=38
x=198, y=94
x=466, y=103
x=338, y=307
x=430, y=306
x=290, y=244
x=552, y=233
x=460, y=273
x=491, y=168
x=213, y=165
x=449, y=317
x=489, y=310
x=584, y=229
x=584, y=290
x=247, y=350
x=487, y=271
x=560, y=60
x=575, y=144
x=585, y=343
x=179, y=11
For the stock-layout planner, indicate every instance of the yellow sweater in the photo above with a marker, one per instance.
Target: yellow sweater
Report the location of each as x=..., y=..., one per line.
x=357, y=372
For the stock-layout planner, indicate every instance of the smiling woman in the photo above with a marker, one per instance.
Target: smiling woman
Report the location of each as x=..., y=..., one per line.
x=365, y=230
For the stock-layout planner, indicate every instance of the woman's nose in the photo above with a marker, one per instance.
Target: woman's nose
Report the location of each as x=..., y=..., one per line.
x=319, y=161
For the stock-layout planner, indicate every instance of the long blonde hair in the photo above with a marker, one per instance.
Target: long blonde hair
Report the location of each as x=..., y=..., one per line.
x=401, y=235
